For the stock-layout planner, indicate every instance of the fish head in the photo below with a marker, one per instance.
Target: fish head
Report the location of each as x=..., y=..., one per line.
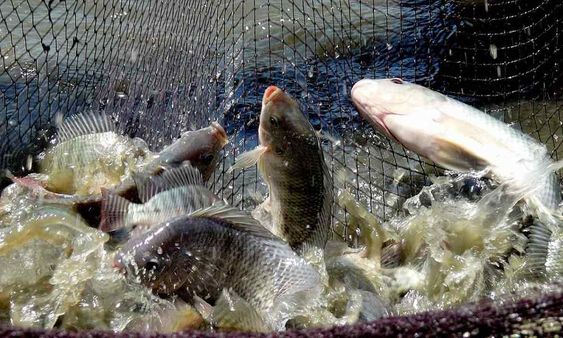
x=402, y=111
x=152, y=258
x=282, y=121
x=202, y=148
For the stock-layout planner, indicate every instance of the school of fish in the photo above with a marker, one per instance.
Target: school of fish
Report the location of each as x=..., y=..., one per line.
x=109, y=234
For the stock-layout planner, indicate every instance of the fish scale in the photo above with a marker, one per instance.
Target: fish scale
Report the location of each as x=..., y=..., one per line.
x=291, y=161
x=299, y=188
x=243, y=258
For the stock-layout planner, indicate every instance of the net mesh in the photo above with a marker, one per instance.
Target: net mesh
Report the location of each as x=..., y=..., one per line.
x=163, y=67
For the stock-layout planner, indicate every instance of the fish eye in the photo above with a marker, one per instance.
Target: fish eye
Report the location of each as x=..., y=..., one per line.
x=397, y=81
x=206, y=159
x=274, y=121
x=151, y=265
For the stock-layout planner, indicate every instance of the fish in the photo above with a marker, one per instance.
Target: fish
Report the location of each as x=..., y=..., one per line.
x=89, y=154
x=198, y=256
x=175, y=192
x=291, y=161
x=462, y=138
x=200, y=147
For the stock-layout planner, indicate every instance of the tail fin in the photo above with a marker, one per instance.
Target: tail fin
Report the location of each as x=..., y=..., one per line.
x=114, y=211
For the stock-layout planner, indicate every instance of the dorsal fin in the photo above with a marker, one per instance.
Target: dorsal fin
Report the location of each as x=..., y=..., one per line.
x=85, y=124
x=238, y=219
x=172, y=178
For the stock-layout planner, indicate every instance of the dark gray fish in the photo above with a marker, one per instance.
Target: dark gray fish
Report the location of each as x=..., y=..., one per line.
x=217, y=248
x=201, y=148
x=291, y=161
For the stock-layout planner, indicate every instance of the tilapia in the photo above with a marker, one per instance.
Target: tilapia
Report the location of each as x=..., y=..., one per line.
x=175, y=192
x=291, y=161
x=462, y=138
x=219, y=252
x=90, y=154
x=200, y=147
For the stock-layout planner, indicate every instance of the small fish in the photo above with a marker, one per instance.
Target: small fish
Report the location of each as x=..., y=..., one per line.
x=462, y=138
x=291, y=161
x=175, y=192
x=200, y=147
x=217, y=248
x=89, y=155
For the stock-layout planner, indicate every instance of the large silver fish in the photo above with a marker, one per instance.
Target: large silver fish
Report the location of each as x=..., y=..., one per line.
x=291, y=161
x=462, y=138
x=215, y=254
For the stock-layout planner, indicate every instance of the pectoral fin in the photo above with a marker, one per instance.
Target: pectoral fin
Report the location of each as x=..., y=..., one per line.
x=455, y=157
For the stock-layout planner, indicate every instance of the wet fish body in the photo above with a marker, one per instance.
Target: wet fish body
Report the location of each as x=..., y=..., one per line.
x=200, y=147
x=176, y=192
x=219, y=248
x=90, y=154
x=462, y=138
x=455, y=135
x=291, y=161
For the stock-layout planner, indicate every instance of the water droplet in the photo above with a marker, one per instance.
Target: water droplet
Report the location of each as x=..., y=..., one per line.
x=486, y=6
x=389, y=46
x=12, y=122
x=499, y=72
x=493, y=51
x=159, y=250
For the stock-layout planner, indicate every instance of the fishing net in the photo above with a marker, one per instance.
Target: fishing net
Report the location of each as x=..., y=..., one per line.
x=163, y=67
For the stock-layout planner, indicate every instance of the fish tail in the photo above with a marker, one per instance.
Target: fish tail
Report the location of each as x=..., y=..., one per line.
x=114, y=210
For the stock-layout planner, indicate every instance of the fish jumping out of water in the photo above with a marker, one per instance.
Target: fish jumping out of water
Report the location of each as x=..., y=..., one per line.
x=291, y=161
x=462, y=138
